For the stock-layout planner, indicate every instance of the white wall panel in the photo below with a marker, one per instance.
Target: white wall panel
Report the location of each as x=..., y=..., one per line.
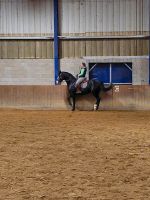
x=103, y=16
x=14, y=16
x=127, y=15
x=19, y=17
x=49, y=16
x=99, y=16
x=110, y=14
x=139, y=14
x=71, y=16
x=3, y=22
x=82, y=16
x=25, y=17
x=37, y=17
x=31, y=18
x=77, y=13
x=133, y=15
x=122, y=15
x=116, y=15
x=8, y=16
x=87, y=17
x=146, y=15
x=93, y=16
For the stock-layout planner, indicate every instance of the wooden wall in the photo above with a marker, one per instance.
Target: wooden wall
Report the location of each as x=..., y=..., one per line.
x=104, y=48
x=26, y=49
x=71, y=49
x=55, y=98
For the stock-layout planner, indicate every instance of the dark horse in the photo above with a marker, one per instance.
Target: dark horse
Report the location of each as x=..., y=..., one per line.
x=93, y=86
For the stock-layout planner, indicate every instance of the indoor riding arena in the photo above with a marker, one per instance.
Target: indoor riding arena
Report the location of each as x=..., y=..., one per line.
x=59, y=141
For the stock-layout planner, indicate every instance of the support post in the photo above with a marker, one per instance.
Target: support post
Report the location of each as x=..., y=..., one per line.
x=56, y=41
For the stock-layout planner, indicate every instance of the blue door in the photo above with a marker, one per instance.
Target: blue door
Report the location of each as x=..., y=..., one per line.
x=121, y=73
x=118, y=73
x=100, y=71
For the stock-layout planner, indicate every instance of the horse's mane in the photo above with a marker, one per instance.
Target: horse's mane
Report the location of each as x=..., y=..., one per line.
x=69, y=75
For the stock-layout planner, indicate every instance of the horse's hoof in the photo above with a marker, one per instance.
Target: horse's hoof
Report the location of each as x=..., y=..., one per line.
x=95, y=107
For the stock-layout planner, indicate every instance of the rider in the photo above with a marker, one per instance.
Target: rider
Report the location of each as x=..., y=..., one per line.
x=81, y=75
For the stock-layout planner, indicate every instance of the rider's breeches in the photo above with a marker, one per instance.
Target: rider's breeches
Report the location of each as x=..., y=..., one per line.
x=80, y=80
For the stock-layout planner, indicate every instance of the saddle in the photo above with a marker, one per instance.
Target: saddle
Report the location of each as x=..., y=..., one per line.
x=82, y=85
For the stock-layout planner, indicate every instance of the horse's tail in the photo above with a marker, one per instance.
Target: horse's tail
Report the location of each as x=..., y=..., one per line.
x=105, y=89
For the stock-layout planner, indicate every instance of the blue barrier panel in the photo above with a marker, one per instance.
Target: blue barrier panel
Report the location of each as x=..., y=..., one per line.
x=122, y=73
x=100, y=72
x=118, y=73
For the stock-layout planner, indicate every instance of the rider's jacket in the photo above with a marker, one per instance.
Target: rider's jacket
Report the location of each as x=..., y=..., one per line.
x=82, y=72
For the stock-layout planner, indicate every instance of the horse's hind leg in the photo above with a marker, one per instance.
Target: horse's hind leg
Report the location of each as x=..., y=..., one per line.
x=69, y=100
x=98, y=99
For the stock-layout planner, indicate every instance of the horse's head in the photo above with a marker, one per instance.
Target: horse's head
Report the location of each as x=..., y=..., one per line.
x=60, y=77
x=65, y=76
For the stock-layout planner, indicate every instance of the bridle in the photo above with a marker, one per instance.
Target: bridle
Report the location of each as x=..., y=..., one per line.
x=63, y=79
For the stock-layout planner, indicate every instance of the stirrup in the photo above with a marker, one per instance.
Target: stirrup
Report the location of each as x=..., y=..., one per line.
x=78, y=89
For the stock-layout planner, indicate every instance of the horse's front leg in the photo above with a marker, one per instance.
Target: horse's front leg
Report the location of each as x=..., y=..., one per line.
x=69, y=100
x=73, y=106
x=97, y=102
